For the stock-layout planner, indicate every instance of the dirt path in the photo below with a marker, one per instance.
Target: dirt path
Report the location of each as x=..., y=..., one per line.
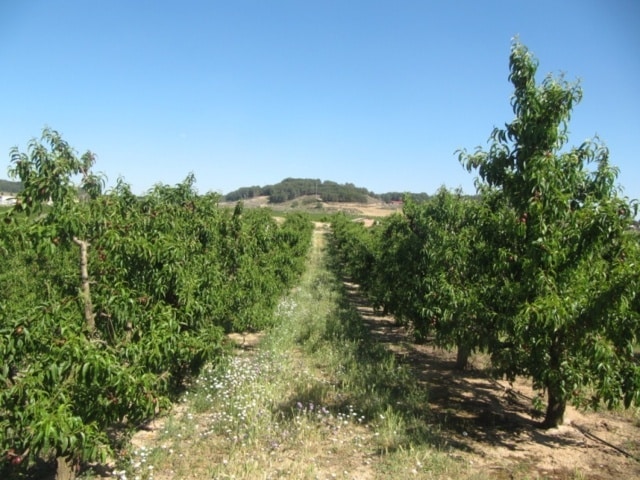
x=490, y=423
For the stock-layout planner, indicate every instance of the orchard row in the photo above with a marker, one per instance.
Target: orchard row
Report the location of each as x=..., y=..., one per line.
x=542, y=272
x=111, y=301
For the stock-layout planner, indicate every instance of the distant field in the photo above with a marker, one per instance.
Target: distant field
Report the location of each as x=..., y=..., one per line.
x=372, y=209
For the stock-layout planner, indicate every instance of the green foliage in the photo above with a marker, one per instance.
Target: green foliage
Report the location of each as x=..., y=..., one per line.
x=169, y=273
x=400, y=196
x=397, y=271
x=244, y=193
x=451, y=281
x=353, y=248
x=46, y=173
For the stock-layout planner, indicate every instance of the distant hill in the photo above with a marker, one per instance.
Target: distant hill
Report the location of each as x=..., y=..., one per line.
x=292, y=188
x=327, y=191
x=7, y=186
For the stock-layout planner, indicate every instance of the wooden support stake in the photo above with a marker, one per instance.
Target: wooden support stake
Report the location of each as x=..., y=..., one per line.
x=84, y=278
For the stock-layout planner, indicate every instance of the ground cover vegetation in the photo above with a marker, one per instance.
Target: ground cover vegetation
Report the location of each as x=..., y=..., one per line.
x=541, y=272
x=111, y=301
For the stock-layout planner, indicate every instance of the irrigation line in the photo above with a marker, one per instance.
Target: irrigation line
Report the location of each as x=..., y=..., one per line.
x=591, y=436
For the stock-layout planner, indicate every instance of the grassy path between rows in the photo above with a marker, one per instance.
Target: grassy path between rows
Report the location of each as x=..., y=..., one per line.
x=315, y=398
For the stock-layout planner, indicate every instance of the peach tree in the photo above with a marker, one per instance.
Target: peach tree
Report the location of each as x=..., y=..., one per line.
x=567, y=310
x=452, y=282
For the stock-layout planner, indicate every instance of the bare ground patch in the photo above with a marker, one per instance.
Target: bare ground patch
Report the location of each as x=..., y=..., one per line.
x=371, y=209
x=492, y=424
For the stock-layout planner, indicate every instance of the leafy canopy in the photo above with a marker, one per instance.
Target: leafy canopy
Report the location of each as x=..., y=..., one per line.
x=572, y=321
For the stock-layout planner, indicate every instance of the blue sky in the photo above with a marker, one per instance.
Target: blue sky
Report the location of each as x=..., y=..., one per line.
x=248, y=92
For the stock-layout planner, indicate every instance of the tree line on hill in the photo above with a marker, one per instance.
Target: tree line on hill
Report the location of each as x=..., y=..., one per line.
x=7, y=186
x=327, y=191
x=290, y=189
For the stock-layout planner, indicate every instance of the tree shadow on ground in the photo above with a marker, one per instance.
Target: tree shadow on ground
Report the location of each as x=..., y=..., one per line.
x=467, y=406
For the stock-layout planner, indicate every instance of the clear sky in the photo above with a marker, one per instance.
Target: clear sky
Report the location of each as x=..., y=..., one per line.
x=379, y=93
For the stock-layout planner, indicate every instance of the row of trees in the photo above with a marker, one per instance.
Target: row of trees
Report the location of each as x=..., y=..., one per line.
x=400, y=196
x=541, y=271
x=110, y=300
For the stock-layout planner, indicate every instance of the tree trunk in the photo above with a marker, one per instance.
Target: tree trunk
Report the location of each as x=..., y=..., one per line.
x=89, y=316
x=555, y=410
x=65, y=470
x=556, y=400
x=462, y=357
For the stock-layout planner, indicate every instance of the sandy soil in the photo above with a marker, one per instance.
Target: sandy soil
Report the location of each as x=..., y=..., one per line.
x=491, y=423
